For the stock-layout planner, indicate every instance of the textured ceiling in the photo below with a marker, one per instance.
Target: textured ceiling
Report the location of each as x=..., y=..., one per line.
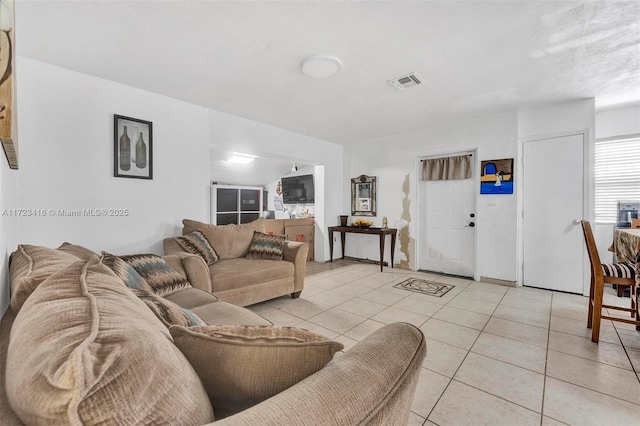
x=243, y=58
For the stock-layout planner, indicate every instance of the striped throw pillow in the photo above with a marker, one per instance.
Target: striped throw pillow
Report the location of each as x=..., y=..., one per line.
x=168, y=312
x=265, y=246
x=158, y=274
x=125, y=272
x=196, y=243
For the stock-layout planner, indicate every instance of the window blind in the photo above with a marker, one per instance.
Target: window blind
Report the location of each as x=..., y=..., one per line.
x=617, y=176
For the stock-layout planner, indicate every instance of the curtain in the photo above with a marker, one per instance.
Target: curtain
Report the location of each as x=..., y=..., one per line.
x=446, y=168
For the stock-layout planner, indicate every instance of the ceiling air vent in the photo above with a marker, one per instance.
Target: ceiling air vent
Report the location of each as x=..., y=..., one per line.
x=405, y=81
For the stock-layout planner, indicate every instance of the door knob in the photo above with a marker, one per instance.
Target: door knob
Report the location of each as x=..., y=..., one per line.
x=471, y=224
x=472, y=215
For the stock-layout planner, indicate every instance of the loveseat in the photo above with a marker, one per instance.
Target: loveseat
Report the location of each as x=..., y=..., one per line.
x=80, y=345
x=236, y=277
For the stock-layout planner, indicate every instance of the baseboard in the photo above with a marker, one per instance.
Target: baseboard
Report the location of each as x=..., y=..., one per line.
x=498, y=281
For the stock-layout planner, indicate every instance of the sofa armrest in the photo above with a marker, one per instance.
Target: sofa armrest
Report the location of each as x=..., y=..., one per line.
x=372, y=383
x=297, y=253
x=192, y=267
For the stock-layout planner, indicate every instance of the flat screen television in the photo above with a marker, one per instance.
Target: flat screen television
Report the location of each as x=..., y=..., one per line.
x=298, y=190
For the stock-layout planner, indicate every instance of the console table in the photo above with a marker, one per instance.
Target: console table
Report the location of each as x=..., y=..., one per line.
x=371, y=231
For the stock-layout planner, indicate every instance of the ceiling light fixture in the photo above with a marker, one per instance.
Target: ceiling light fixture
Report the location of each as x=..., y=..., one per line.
x=321, y=66
x=241, y=159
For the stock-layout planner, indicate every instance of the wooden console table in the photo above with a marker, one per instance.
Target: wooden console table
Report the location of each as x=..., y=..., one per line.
x=371, y=231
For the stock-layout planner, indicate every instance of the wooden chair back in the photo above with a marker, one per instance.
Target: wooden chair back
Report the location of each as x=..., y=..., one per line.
x=592, y=251
x=635, y=223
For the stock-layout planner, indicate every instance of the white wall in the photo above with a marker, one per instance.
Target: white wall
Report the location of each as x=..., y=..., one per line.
x=394, y=160
x=66, y=162
x=239, y=134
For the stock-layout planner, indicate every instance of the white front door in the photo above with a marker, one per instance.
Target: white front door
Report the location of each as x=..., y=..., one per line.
x=553, y=206
x=446, y=238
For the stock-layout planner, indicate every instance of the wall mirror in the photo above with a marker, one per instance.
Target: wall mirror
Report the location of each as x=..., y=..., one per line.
x=363, y=196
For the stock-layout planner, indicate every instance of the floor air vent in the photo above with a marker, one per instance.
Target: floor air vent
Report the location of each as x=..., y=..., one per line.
x=405, y=81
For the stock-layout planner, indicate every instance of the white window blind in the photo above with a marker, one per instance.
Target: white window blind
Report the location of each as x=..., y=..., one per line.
x=617, y=176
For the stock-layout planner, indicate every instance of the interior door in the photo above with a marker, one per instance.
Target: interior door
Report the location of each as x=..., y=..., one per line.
x=553, y=206
x=447, y=227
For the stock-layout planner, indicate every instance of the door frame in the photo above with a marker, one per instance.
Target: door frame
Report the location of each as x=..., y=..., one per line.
x=418, y=224
x=587, y=196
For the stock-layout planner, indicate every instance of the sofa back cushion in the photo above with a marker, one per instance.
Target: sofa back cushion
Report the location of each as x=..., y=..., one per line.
x=241, y=366
x=229, y=241
x=29, y=266
x=77, y=250
x=104, y=359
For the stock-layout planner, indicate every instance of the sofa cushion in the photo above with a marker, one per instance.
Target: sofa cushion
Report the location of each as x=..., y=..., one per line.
x=77, y=250
x=196, y=243
x=105, y=360
x=229, y=241
x=190, y=298
x=158, y=274
x=236, y=273
x=30, y=265
x=244, y=365
x=225, y=313
x=265, y=246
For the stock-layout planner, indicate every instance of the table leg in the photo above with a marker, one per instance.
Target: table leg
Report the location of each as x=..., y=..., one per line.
x=331, y=246
x=393, y=247
x=381, y=251
x=342, y=235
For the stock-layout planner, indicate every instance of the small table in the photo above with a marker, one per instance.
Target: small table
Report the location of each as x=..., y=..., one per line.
x=371, y=231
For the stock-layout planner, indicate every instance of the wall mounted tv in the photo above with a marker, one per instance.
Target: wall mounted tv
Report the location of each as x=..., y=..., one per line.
x=298, y=190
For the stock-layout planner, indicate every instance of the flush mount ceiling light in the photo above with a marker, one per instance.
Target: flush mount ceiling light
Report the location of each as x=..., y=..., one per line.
x=321, y=66
x=240, y=159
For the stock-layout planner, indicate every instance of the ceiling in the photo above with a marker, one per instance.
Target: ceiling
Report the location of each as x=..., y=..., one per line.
x=243, y=58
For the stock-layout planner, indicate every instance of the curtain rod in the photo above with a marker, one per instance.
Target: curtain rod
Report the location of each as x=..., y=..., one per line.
x=447, y=156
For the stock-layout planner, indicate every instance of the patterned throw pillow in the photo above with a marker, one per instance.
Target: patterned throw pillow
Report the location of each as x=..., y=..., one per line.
x=125, y=272
x=158, y=274
x=257, y=362
x=196, y=243
x=167, y=311
x=265, y=246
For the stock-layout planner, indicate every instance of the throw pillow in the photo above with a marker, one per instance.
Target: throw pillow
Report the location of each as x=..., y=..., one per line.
x=197, y=243
x=265, y=246
x=158, y=274
x=84, y=350
x=167, y=311
x=241, y=366
x=125, y=272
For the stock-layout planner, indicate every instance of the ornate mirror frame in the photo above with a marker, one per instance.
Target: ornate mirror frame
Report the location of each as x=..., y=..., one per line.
x=363, y=196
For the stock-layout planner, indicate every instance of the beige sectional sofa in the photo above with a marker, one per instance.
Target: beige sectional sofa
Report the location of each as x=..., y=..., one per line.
x=78, y=346
x=236, y=278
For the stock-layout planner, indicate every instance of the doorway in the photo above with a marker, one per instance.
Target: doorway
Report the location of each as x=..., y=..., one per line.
x=446, y=223
x=553, y=205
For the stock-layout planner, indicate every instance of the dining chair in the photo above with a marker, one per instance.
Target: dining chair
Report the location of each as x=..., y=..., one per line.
x=609, y=273
x=635, y=223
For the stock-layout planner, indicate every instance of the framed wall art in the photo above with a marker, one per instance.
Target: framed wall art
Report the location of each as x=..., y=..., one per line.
x=132, y=148
x=496, y=176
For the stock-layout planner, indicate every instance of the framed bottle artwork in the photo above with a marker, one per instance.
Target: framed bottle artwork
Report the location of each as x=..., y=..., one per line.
x=132, y=148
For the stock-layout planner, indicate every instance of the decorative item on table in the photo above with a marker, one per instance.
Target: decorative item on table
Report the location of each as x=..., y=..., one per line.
x=385, y=223
x=362, y=223
x=343, y=219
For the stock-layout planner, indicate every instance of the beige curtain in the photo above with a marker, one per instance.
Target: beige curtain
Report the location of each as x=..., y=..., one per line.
x=446, y=168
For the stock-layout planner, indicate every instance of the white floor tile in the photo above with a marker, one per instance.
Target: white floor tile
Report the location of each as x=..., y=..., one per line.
x=464, y=405
x=452, y=334
x=429, y=389
x=514, y=352
x=462, y=317
x=443, y=358
x=582, y=347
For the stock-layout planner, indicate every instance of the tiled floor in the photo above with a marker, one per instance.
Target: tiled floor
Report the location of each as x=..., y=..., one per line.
x=495, y=355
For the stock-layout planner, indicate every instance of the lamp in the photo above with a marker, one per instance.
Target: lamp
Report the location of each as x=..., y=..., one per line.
x=241, y=159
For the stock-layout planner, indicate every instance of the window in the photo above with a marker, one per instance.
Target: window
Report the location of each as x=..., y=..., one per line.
x=617, y=176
